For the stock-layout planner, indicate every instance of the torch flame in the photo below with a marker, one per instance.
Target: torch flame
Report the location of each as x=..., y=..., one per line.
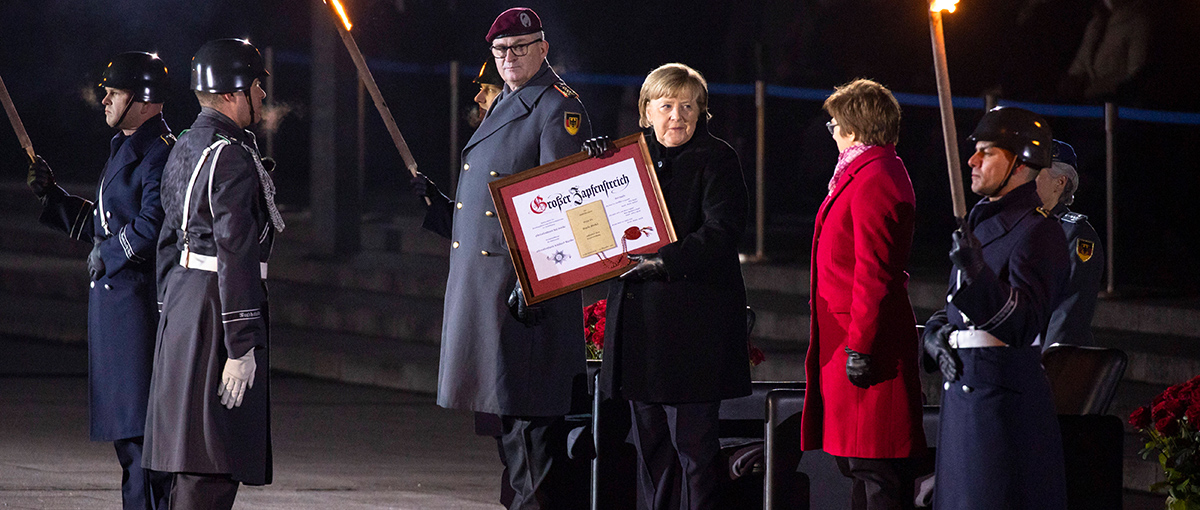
x=341, y=12
x=935, y=6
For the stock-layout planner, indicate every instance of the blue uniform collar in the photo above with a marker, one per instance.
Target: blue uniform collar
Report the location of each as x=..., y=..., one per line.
x=991, y=219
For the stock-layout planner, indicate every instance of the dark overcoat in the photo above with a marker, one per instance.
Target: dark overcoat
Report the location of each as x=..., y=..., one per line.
x=859, y=287
x=214, y=309
x=999, y=445
x=1071, y=322
x=490, y=362
x=683, y=339
x=122, y=308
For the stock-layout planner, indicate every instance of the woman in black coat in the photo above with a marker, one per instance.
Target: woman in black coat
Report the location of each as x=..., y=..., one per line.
x=676, y=321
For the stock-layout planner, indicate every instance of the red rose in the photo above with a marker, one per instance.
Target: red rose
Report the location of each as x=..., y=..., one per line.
x=596, y=337
x=756, y=354
x=1193, y=415
x=1140, y=417
x=1167, y=426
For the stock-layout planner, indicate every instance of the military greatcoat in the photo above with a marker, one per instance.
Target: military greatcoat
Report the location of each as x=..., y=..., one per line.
x=999, y=445
x=212, y=266
x=1071, y=322
x=122, y=312
x=490, y=362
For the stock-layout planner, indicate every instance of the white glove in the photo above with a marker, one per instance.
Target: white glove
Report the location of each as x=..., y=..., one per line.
x=236, y=379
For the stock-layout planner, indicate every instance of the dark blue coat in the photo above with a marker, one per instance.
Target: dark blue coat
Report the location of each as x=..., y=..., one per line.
x=999, y=445
x=122, y=308
x=1071, y=322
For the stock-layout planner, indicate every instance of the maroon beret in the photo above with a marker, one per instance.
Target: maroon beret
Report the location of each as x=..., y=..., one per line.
x=515, y=21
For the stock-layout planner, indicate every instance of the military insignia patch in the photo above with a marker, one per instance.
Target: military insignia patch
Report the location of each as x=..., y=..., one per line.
x=1041, y=211
x=1084, y=249
x=571, y=121
x=566, y=91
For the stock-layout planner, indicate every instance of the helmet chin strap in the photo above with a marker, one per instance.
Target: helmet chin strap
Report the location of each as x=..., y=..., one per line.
x=250, y=103
x=1012, y=166
x=125, y=112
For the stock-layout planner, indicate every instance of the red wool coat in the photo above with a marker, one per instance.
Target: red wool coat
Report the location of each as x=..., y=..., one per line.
x=859, y=299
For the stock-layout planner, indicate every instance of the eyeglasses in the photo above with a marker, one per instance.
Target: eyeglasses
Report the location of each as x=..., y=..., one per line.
x=830, y=126
x=518, y=50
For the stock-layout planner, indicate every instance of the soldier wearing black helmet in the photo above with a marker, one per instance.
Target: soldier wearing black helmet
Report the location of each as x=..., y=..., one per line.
x=998, y=440
x=121, y=224
x=209, y=414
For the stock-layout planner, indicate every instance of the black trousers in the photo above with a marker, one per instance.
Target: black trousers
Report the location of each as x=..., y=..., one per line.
x=678, y=450
x=534, y=451
x=194, y=491
x=879, y=484
x=141, y=488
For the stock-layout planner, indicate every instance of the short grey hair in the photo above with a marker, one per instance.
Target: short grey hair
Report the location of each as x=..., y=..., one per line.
x=1060, y=169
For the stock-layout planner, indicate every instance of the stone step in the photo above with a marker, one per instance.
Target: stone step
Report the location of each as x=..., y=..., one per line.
x=59, y=320
x=382, y=314
x=360, y=359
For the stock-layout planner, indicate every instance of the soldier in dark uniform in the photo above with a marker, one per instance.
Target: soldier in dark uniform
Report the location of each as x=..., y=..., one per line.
x=1071, y=322
x=498, y=355
x=209, y=415
x=999, y=445
x=490, y=85
x=122, y=224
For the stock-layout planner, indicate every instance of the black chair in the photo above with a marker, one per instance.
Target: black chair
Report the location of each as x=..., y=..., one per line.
x=1083, y=379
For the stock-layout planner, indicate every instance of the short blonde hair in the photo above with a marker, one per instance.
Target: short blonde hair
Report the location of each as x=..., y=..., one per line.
x=672, y=80
x=867, y=109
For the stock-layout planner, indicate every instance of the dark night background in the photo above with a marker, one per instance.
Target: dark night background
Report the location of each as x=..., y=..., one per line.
x=52, y=51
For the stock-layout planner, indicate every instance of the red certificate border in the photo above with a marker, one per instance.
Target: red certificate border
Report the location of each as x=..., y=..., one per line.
x=631, y=147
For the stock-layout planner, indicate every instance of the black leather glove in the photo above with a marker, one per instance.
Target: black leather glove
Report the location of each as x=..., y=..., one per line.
x=597, y=147
x=41, y=178
x=527, y=315
x=937, y=346
x=649, y=267
x=422, y=187
x=966, y=252
x=858, y=369
x=95, y=261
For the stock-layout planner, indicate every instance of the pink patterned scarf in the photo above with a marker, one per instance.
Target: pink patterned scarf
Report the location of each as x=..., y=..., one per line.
x=844, y=159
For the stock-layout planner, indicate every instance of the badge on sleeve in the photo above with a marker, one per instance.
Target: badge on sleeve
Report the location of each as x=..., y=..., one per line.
x=1084, y=248
x=571, y=121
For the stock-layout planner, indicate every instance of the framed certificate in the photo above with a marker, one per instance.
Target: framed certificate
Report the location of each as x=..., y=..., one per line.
x=570, y=223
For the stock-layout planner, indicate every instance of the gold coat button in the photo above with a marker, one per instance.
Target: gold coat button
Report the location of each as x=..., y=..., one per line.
x=107, y=287
x=459, y=205
x=489, y=214
x=95, y=212
x=108, y=214
x=493, y=174
x=92, y=285
x=485, y=253
x=454, y=244
x=466, y=166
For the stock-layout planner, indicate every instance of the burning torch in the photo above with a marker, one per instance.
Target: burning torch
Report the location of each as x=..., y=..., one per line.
x=944, y=101
x=15, y=119
x=364, y=74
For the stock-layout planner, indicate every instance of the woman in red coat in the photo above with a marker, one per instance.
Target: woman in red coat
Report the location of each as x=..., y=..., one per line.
x=863, y=403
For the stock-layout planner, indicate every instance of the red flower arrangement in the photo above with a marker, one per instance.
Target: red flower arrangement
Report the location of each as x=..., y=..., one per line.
x=593, y=332
x=593, y=328
x=1171, y=424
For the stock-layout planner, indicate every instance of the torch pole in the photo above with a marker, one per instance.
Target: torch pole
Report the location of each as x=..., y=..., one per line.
x=949, y=134
x=364, y=74
x=15, y=119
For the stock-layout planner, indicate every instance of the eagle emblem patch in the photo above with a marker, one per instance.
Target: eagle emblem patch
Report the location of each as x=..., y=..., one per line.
x=1084, y=249
x=571, y=121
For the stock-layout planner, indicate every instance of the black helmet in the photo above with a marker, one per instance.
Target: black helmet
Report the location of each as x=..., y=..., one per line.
x=1022, y=132
x=488, y=74
x=143, y=74
x=226, y=65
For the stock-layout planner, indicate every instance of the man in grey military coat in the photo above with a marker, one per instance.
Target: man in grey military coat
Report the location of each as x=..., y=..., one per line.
x=516, y=361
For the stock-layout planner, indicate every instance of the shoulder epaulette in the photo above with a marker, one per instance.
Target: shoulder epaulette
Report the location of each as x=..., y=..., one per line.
x=1041, y=211
x=168, y=139
x=566, y=91
x=1074, y=217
